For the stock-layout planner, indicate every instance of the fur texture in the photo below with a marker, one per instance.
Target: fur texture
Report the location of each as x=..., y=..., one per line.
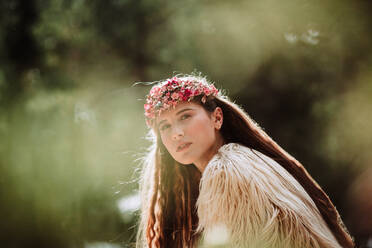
x=259, y=203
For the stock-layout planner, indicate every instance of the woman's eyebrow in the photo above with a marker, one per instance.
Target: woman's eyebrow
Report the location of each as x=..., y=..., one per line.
x=183, y=110
x=162, y=121
x=178, y=113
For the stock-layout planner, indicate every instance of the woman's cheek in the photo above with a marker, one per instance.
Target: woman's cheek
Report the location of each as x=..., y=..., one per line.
x=193, y=128
x=201, y=125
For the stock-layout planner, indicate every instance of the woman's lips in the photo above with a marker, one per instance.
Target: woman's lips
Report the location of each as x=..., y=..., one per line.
x=183, y=147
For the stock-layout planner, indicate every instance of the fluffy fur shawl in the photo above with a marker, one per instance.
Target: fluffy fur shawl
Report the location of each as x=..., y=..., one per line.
x=258, y=203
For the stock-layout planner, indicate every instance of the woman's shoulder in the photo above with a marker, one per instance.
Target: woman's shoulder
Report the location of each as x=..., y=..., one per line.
x=231, y=147
x=241, y=165
x=239, y=178
x=237, y=149
x=236, y=155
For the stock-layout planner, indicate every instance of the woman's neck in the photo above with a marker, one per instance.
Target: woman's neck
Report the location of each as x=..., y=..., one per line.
x=204, y=160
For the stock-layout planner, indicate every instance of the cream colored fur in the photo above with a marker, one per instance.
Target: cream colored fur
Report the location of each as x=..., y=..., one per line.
x=259, y=202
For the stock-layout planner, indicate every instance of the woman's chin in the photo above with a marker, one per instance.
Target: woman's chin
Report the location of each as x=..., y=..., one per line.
x=184, y=161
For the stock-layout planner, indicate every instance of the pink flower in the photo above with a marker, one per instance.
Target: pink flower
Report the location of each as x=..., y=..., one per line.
x=165, y=105
x=147, y=106
x=175, y=95
x=155, y=92
x=186, y=94
x=174, y=80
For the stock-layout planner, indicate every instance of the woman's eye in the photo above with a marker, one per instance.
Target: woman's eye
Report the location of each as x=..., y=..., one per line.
x=183, y=117
x=164, y=127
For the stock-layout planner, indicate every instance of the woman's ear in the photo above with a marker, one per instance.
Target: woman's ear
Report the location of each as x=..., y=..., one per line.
x=217, y=118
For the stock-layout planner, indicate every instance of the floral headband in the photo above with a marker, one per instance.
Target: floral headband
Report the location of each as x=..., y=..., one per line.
x=173, y=91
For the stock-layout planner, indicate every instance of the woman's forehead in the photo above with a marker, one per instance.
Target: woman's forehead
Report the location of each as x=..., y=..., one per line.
x=181, y=107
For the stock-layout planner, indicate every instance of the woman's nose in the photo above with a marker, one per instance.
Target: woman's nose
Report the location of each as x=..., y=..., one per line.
x=177, y=133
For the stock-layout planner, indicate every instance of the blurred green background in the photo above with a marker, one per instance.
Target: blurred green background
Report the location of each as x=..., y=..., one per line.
x=72, y=131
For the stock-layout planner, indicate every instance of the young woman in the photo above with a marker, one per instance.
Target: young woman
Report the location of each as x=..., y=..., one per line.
x=211, y=165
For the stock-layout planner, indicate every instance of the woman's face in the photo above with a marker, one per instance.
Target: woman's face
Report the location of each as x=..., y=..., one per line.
x=190, y=133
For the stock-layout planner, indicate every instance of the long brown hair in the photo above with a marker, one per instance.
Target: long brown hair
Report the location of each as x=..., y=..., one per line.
x=170, y=190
